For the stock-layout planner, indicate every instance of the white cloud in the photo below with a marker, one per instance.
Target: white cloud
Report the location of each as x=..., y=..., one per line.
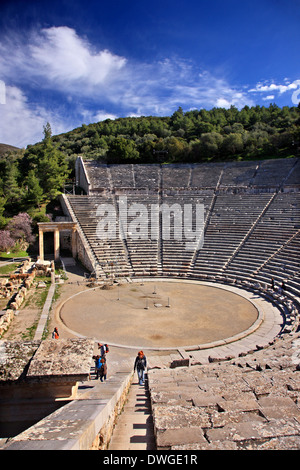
x=164, y=86
x=222, y=103
x=100, y=115
x=95, y=84
x=269, y=97
x=22, y=124
x=65, y=58
x=261, y=88
x=57, y=58
x=60, y=58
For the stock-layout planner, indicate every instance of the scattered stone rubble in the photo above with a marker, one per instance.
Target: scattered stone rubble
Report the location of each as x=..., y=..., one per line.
x=249, y=403
x=16, y=287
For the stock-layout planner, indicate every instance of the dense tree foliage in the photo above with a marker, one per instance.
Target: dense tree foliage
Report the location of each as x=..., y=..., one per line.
x=195, y=136
x=29, y=179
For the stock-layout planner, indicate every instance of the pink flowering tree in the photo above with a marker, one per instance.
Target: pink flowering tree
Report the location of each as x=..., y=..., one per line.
x=20, y=228
x=6, y=241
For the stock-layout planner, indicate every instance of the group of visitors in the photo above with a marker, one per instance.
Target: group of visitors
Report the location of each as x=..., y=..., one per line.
x=140, y=363
x=280, y=289
x=100, y=362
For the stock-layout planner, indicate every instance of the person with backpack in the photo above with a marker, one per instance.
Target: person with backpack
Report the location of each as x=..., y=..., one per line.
x=103, y=349
x=140, y=366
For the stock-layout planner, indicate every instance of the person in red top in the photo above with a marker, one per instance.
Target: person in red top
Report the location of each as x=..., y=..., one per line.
x=55, y=334
x=140, y=366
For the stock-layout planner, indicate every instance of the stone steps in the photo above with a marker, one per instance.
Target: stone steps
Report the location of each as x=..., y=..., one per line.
x=134, y=426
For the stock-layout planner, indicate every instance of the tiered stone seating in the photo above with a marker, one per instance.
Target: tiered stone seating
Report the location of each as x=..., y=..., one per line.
x=97, y=175
x=276, y=227
x=232, y=217
x=176, y=176
x=147, y=176
x=110, y=254
x=272, y=173
x=122, y=176
x=284, y=266
x=143, y=252
x=238, y=174
x=249, y=403
x=293, y=179
x=205, y=175
x=246, y=227
x=176, y=256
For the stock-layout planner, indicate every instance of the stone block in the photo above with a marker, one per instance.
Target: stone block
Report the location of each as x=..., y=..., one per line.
x=164, y=396
x=254, y=430
x=206, y=400
x=180, y=436
x=219, y=420
x=180, y=363
x=225, y=445
x=173, y=417
x=274, y=407
x=234, y=432
x=241, y=405
x=276, y=443
x=69, y=357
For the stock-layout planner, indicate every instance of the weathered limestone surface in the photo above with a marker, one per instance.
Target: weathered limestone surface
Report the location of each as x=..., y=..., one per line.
x=35, y=360
x=251, y=402
x=69, y=357
x=14, y=358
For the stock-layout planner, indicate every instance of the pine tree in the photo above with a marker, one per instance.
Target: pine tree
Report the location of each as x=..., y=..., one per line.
x=52, y=169
x=34, y=191
x=11, y=188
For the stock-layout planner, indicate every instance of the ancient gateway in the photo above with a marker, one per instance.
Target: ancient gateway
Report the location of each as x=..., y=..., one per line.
x=56, y=228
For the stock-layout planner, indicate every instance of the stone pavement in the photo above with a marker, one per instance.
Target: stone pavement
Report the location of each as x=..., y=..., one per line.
x=45, y=312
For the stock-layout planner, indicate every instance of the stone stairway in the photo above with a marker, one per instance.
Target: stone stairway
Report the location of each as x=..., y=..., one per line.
x=134, y=426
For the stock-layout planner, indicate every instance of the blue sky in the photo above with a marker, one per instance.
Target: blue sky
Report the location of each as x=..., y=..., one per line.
x=74, y=62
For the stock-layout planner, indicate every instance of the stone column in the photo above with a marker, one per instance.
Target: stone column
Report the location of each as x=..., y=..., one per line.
x=56, y=244
x=41, y=245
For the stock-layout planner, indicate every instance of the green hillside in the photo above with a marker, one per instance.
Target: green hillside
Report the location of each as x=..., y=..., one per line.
x=5, y=149
x=194, y=136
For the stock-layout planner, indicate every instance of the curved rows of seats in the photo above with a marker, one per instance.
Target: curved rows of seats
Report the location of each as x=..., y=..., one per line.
x=250, y=227
x=267, y=174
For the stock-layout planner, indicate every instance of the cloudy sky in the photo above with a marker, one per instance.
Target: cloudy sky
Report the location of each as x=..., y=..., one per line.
x=74, y=62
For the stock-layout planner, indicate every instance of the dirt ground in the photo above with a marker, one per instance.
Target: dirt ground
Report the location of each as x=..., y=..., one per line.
x=163, y=315
x=26, y=318
x=158, y=314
